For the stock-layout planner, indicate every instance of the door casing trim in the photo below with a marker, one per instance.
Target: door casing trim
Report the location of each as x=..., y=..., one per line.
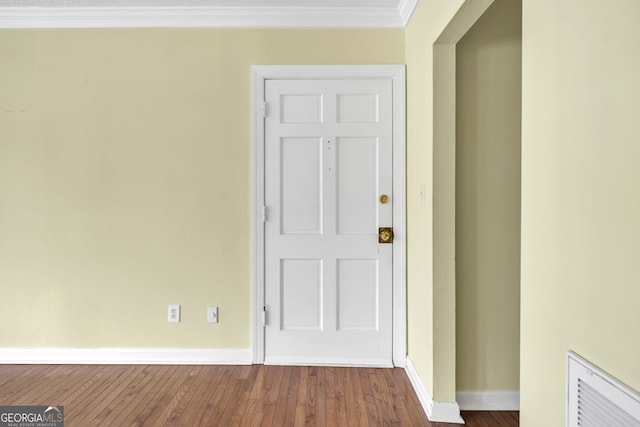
x=261, y=73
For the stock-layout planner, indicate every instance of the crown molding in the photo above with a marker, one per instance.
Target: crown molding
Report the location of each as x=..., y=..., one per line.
x=73, y=15
x=405, y=10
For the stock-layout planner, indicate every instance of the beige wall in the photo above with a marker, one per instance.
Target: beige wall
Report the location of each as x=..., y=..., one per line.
x=125, y=179
x=488, y=65
x=428, y=22
x=580, y=198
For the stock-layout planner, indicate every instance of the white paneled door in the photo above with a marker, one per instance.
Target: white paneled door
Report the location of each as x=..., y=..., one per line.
x=328, y=191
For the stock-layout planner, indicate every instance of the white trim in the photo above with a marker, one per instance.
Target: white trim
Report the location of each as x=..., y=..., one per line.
x=257, y=91
x=489, y=400
x=396, y=73
x=399, y=219
x=442, y=412
x=125, y=356
x=73, y=15
x=310, y=361
x=406, y=9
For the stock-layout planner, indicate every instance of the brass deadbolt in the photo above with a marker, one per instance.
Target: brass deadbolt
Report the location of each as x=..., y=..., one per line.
x=385, y=235
x=384, y=199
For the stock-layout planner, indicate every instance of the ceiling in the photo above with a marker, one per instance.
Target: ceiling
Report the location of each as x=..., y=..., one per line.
x=206, y=13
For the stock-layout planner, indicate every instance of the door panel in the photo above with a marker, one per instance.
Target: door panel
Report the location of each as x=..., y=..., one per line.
x=357, y=294
x=301, y=108
x=301, y=294
x=357, y=192
x=328, y=157
x=301, y=180
x=358, y=108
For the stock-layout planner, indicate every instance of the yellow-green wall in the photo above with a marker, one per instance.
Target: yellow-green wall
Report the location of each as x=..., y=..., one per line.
x=429, y=20
x=488, y=66
x=125, y=179
x=580, y=197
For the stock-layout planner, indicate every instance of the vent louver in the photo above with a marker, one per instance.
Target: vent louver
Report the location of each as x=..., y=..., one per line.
x=595, y=399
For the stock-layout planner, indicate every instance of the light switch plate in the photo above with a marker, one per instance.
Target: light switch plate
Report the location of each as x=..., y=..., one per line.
x=212, y=314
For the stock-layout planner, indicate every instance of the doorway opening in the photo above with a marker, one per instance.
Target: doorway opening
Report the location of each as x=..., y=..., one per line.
x=487, y=200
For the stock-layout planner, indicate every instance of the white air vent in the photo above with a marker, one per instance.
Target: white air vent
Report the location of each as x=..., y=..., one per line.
x=595, y=399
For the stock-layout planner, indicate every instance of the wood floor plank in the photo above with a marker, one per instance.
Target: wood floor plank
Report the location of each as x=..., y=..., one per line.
x=382, y=397
x=97, y=399
x=257, y=376
x=223, y=397
x=146, y=392
x=153, y=402
x=205, y=408
x=213, y=406
x=373, y=415
x=76, y=383
x=292, y=399
x=397, y=397
x=176, y=407
x=203, y=392
x=280, y=408
x=301, y=406
x=342, y=412
x=99, y=414
x=252, y=411
x=271, y=392
x=491, y=418
x=350, y=400
x=46, y=380
x=412, y=404
x=321, y=395
x=311, y=395
x=127, y=398
x=360, y=410
x=25, y=391
x=243, y=396
x=330, y=392
x=9, y=379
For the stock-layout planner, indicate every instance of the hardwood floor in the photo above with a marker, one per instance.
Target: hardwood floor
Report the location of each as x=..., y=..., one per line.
x=152, y=395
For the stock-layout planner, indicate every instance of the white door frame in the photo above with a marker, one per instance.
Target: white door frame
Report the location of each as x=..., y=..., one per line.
x=261, y=73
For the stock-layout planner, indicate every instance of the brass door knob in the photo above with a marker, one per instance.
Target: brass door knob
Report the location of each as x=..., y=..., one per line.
x=385, y=235
x=384, y=199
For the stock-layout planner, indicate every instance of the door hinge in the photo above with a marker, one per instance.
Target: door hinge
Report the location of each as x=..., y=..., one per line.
x=263, y=214
x=264, y=315
x=264, y=110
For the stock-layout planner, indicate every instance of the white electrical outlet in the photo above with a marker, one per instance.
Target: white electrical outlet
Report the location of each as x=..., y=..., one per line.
x=212, y=314
x=174, y=313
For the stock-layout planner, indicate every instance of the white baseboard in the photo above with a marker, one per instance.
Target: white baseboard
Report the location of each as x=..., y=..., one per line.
x=311, y=361
x=499, y=400
x=443, y=412
x=125, y=356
